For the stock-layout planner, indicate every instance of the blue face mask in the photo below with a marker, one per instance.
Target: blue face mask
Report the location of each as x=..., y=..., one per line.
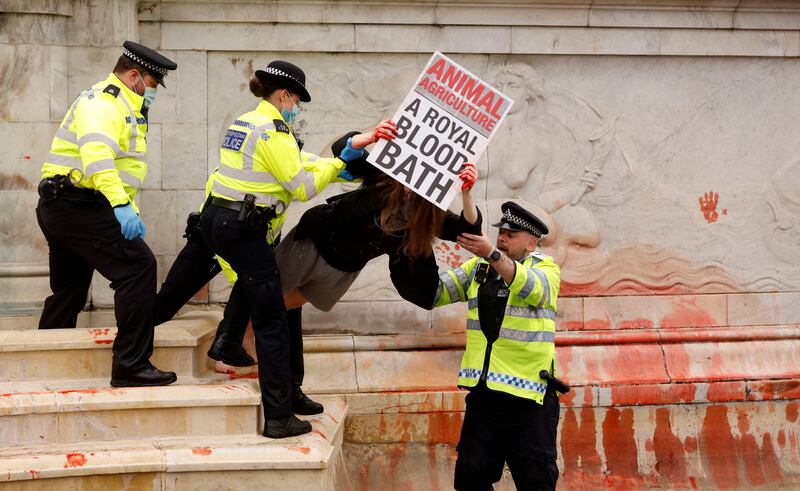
x=149, y=96
x=288, y=115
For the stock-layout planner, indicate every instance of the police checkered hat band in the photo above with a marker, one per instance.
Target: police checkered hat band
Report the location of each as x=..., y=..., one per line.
x=157, y=69
x=519, y=221
x=277, y=71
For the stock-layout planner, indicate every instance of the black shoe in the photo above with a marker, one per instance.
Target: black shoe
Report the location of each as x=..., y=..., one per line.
x=231, y=354
x=286, y=427
x=149, y=376
x=302, y=404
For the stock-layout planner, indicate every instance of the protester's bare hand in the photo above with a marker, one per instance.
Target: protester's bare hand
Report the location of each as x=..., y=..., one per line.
x=468, y=176
x=476, y=244
x=386, y=129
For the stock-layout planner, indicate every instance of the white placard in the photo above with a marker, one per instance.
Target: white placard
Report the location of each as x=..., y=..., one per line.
x=447, y=118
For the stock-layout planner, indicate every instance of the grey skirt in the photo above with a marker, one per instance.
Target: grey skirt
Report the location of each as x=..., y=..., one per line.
x=302, y=267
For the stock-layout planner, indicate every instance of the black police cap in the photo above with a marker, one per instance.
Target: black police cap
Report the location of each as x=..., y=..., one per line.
x=516, y=217
x=285, y=75
x=154, y=62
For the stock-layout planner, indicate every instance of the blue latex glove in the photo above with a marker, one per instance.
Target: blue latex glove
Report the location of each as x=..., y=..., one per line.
x=130, y=222
x=344, y=174
x=349, y=153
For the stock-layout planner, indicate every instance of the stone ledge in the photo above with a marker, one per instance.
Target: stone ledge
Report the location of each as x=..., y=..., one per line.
x=105, y=398
x=181, y=454
x=188, y=330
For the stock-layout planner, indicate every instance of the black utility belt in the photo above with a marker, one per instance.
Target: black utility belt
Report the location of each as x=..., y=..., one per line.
x=54, y=187
x=254, y=217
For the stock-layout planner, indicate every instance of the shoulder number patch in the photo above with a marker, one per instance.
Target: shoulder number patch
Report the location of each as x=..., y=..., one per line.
x=233, y=140
x=112, y=89
x=281, y=126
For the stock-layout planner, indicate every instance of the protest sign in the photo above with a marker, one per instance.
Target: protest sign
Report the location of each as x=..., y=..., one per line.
x=447, y=118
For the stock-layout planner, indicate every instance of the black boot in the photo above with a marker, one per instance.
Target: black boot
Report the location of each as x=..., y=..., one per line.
x=302, y=404
x=227, y=345
x=147, y=376
x=285, y=427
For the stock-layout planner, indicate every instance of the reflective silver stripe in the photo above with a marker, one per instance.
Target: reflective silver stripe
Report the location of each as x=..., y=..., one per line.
x=250, y=145
x=474, y=324
x=530, y=312
x=450, y=284
x=71, y=115
x=312, y=157
x=310, y=181
x=462, y=278
x=472, y=303
x=134, y=125
x=438, y=295
x=99, y=166
x=129, y=179
x=64, y=160
x=545, y=300
x=246, y=175
x=236, y=195
x=109, y=142
x=67, y=135
x=528, y=336
x=527, y=288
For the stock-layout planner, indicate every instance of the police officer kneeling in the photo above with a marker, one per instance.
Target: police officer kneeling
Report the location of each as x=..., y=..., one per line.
x=89, y=217
x=509, y=362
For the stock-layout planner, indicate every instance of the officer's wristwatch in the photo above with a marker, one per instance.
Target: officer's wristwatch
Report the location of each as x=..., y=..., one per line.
x=493, y=256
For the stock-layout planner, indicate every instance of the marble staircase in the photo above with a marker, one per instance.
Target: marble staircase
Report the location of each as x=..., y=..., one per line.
x=62, y=426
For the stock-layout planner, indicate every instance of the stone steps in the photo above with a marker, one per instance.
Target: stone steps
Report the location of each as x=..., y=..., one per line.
x=179, y=345
x=73, y=416
x=235, y=461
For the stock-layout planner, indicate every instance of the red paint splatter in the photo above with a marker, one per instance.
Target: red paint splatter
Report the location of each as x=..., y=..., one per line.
x=598, y=323
x=103, y=341
x=725, y=211
x=79, y=391
x=571, y=326
x=686, y=313
x=690, y=444
x=444, y=428
x=75, y=460
x=317, y=432
x=235, y=376
x=579, y=443
x=781, y=438
x=303, y=450
x=670, y=454
x=26, y=157
x=619, y=443
x=34, y=474
x=791, y=411
x=640, y=323
x=772, y=469
x=748, y=450
x=719, y=448
x=201, y=451
x=708, y=205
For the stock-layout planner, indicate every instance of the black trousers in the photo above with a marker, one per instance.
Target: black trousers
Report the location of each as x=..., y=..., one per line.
x=260, y=287
x=193, y=268
x=83, y=236
x=498, y=430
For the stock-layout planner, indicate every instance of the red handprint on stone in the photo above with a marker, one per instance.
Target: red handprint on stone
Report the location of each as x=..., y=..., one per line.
x=708, y=205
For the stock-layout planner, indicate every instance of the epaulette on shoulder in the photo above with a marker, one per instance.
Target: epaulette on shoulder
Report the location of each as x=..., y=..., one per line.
x=281, y=126
x=112, y=89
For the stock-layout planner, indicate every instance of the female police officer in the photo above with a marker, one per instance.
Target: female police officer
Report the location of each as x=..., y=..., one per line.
x=261, y=169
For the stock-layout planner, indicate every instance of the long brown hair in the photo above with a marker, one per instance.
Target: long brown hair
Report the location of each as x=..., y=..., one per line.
x=406, y=211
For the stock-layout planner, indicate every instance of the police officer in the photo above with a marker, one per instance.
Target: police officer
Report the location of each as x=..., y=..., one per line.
x=509, y=362
x=88, y=213
x=261, y=170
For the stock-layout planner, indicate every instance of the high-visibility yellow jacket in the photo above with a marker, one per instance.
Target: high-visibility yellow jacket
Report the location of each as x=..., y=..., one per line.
x=526, y=344
x=259, y=155
x=103, y=135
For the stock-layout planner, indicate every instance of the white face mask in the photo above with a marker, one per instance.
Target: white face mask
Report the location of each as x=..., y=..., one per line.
x=288, y=115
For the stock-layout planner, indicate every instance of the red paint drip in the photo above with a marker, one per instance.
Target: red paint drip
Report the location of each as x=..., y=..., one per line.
x=791, y=411
x=578, y=443
x=670, y=454
x=103, y=341
x=719, y=448
x=639, y=323
x=34, y=474
x=201, y=451
x=302, y=450
x=75, y=460
x=619, y=444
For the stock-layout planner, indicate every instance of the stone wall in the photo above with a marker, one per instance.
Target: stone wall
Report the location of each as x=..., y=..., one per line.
x=656, y=138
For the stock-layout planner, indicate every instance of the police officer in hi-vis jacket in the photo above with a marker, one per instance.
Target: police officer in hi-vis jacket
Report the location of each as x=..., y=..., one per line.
x=88, y=213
